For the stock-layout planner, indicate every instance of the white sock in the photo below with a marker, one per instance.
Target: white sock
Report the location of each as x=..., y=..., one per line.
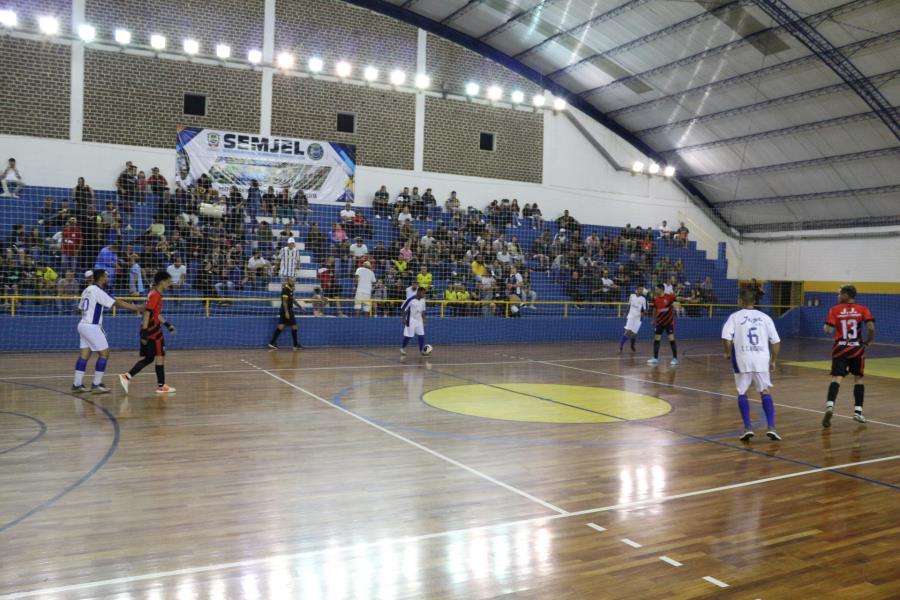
x=829, y=404
x=79, y=378
x=98, y=377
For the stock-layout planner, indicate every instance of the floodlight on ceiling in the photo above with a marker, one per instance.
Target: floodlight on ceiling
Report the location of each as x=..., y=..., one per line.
x=48, y=25
x=494, y=93
x=669, y=171
x=87, y=33
x=158, y=42
x=472, y=89
x=422, y=81
x=518, y=97
x=398, y=77
x=343, y=69
x=315, y=64
x=637, y=167
x=191, y=46
x=370, y=74
x=254, y=57
x=285, y=60
x=122, y=36
x=223, y=51
x=653, y=169
x=8, y=18
x=539, y=100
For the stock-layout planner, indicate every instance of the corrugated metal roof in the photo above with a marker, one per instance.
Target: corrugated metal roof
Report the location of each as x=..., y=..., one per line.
x=739, y=104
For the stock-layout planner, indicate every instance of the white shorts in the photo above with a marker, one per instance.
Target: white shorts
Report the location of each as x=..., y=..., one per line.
x=633, y=324
x=414, y=328
x=363, y=296
x=760, y=380
x=92, y=337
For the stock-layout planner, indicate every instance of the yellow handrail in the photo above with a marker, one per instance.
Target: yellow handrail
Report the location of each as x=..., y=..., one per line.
x=13, y=299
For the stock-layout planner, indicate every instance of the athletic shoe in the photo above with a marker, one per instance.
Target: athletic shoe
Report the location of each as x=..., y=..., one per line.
x=80, y=389
x=747, y=436
x=859, y=417
x=826, y=420
x=620, y=351
x=295, y=348
x=124, y=380
x=653, y=361
x=165, y=390
x=100, y=389
x=633, y=349
x=273, y=346
x=402, y=351
x=773, y=435
x=673, y=362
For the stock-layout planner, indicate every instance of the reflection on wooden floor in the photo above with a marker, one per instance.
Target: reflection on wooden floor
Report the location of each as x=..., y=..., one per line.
x=491, y=471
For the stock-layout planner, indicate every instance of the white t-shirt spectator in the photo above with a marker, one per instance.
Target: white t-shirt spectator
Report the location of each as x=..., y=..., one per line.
x=426, y=241
x=359, y=250
x=504, y=256
x=606, y=283
x=488, y=282
x=365, y=281
x=257, y=263
x=664, y=230
x=348, y=214
x=178, y=273
x=183, y=181
x=404, y=216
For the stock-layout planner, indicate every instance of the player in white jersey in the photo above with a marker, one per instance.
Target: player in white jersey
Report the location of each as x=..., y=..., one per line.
x=288, y=260
x=93, y=300
x=747, y=337
x=637, y=308
x=413, y=312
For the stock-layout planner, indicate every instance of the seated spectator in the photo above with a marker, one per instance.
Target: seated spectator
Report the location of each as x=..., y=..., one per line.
x=401, y=201
x=254, y=201
x=665, y=232
x=178, y=271
x=380, y=256
x=487, y=288
x=515, y=214
x=156, y=182
x=706, y=291
x=361, y=226
x=347, y=215
x=45, y=278
x=681, y=235
x=607, y=289
x=269, y=202
x=67, y=287
x=359, y=252
x=83, y=198
x=424, y=278
x=429, y=203
x=71, y=244
x=11, y=180
x=36, y=243
x=183, y=180
x=569, y=223
x=427, y=240
x=379, y=299
x=12, y=275
x=561, y=243
x=454, y=208
x=515, y=251
x=504, y=257
x=540, y=251
x=339, y=241
x=315, y=242
x=265, y=238
x=647, y=245
x=381, y=203
x=416, y=206
x=574, y=289
x=258, y=268
x=328, y=283
x=108, y=260
x=47, y=215
x=478, y=269
x=404, y=216
x=141, y=187
x=300, y=206
x=26, y=264
x=126, y=187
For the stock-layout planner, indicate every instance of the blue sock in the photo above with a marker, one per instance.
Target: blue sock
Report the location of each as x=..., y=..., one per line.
x=744, y=406
x=80, y=366
x=99, y=370
x=769, y=409
x=421, y=340
x=622, y=342
x=406, y=342
x=633, y=340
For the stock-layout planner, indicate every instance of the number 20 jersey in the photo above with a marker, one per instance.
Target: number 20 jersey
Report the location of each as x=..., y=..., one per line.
x=848, y=321
x=750, y=332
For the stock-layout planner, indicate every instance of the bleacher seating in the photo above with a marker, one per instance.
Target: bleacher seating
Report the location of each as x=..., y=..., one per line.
x=26, y=208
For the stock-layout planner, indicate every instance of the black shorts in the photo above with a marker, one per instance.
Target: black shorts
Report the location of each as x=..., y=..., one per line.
x=670, y=329
x=153, y=348
x=284, y=319
x=840, y=367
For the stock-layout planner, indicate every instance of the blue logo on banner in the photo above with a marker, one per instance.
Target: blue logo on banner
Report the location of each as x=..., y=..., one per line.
x=315, y=151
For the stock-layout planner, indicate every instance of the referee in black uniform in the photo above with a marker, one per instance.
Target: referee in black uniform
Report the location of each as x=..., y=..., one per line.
x=286, y=315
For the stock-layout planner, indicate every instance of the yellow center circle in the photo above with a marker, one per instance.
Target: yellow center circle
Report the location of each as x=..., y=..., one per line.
x=546, y=403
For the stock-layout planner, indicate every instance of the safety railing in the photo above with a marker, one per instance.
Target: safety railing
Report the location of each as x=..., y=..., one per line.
x=12, y=304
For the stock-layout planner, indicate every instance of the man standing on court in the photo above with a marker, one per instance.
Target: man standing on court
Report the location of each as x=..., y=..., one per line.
x=848, y=354
x=746, y=337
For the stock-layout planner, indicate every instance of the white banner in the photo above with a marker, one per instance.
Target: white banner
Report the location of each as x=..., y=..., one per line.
x=324, y=170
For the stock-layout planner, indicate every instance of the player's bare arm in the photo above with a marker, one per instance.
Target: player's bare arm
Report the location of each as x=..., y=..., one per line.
x=726, y=345
x=773, y=355
x=128, y=306
x=870, y=333
x=829, y=329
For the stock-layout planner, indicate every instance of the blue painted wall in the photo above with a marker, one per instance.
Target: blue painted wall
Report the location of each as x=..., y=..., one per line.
x=37, y=333
x=885, y=307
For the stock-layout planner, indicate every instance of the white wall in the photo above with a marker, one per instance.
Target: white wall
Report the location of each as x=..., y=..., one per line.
x=849, y=259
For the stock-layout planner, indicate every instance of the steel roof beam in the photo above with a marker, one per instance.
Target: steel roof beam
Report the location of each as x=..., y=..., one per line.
x=470, y=6
x=801, y=225
x=773, y=133
x=650, y=37
x=852, y=47
x=854, y=193
x=800, y=164
x=608, y=15
x=724, y=48
x=520, y=16
x=837, y=62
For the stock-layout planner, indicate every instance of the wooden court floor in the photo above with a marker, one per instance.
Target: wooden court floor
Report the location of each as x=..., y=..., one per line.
x=342, y=473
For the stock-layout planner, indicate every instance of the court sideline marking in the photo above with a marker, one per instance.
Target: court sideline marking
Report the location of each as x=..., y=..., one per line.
x=684, y=387
x=427, y=536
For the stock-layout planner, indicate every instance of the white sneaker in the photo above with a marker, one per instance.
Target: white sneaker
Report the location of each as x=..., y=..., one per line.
x=773, y=435
x=747, y=436
x=402, y=351
x=859, y=417
x=653, y=361
x=673, y=362
x=6, y=195
x=124, y=380
x=165, y=390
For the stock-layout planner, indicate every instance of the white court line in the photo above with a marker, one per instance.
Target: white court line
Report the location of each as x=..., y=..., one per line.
x=692, y=389
x=344, y=368
x=671, y=561
x=631, y=543
x=596, y=527
x=278, y=559
x=715, y=581
x=406, y=440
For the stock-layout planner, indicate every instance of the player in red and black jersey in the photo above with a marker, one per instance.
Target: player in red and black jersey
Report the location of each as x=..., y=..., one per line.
x=848, y=354
x=153, y=345
x=664, y=320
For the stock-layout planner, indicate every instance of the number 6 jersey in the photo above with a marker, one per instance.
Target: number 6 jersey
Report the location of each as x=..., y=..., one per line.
x=848, y=321
x=750, y=332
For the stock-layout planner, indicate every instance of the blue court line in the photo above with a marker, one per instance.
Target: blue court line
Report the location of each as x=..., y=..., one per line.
x=42, y=430
x=696, y=438
x=112, y=449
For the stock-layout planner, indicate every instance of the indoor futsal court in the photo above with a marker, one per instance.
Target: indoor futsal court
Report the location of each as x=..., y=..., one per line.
x=450, y=300
x=346, y=473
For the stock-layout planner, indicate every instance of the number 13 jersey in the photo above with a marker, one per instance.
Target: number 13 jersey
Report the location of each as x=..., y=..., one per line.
x=848, y=321
x=750, y=332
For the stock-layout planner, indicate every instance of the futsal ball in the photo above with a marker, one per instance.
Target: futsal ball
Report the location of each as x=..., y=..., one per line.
x=427, y=350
